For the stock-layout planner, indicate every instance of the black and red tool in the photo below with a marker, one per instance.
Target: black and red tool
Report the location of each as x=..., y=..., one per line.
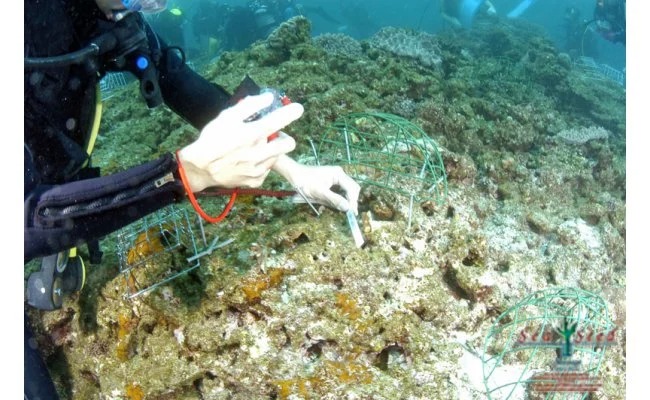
x=280, y=99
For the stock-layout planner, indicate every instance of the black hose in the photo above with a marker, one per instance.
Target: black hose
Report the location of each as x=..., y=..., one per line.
x=76, y=57
x=100, y=45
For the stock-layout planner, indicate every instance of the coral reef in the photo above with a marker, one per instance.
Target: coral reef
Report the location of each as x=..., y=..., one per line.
x=339, y=44
x=583, y=135
x=292, y=309
x=420, y=46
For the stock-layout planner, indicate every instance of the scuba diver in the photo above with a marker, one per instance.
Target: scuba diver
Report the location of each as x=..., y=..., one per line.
x=609, y=17
x=289, y=9
x=69, y=46
x=266, y=15
x=255, y=21
x=269, y=14
x=240, y=29
x=169, y=25
x=461, y=13
x=244, y=25
x=579, y=40
x=208, y=26
x=249, y=23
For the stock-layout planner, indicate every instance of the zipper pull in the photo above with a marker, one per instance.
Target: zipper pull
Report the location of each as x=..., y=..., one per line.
x=164, y=180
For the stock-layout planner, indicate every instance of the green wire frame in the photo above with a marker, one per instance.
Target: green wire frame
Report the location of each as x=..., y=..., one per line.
x=386, y=151
x=541, y=311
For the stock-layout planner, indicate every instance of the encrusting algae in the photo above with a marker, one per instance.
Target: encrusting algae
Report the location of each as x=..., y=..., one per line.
x=125, y=326
x=254, y=287
x=393, y=319
x=147, y=244
x=134, y=392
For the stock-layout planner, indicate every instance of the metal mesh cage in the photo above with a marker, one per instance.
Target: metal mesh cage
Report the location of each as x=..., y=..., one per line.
x=387, y=151
x=111, y=82
x=156, y=249
x=597, y=71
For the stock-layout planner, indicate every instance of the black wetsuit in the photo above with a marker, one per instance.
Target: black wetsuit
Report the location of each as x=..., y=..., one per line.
x=169, y=26
x=210, y=18
x=611, y=20
x=67, y=202
x=59, y=109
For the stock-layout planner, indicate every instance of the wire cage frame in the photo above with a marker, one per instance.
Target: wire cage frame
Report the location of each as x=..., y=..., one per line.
x=528, y=332
x=113, y=81
x=601, y=72
x=154, y=250
x=387, y=151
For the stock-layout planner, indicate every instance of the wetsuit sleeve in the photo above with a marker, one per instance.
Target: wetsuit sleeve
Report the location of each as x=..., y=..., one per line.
x=187, y=93
x=190, y=95
x=63, y=216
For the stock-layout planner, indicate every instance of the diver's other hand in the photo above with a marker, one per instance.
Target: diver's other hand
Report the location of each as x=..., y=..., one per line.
x=231, y=152
x=316, y=183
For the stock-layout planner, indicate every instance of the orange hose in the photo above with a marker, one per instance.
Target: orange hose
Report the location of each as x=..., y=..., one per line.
x=195, y=203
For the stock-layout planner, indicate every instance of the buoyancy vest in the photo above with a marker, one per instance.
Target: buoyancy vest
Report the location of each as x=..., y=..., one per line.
x=60, y=103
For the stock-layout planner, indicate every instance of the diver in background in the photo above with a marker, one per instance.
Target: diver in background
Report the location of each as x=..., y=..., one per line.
x=460, y=13
x=609, y=16
x=255, y=21
x=169, y=25
x=244, y=25
x=240, y=29
x=580, y=41
x=269, y=14
x=209, y=25
x=265, y=15
x=289, y=9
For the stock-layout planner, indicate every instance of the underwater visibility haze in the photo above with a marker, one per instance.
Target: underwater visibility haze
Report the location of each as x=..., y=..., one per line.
x=492, y=164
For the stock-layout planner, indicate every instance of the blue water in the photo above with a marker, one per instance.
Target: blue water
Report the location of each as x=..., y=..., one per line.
x=425, y=15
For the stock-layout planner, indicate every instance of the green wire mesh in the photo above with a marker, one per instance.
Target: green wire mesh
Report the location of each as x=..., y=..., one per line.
x=549, y=311
x=387, y=151
x=149, y=250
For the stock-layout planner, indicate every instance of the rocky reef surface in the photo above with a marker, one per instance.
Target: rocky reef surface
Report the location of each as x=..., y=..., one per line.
x=534, y=151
